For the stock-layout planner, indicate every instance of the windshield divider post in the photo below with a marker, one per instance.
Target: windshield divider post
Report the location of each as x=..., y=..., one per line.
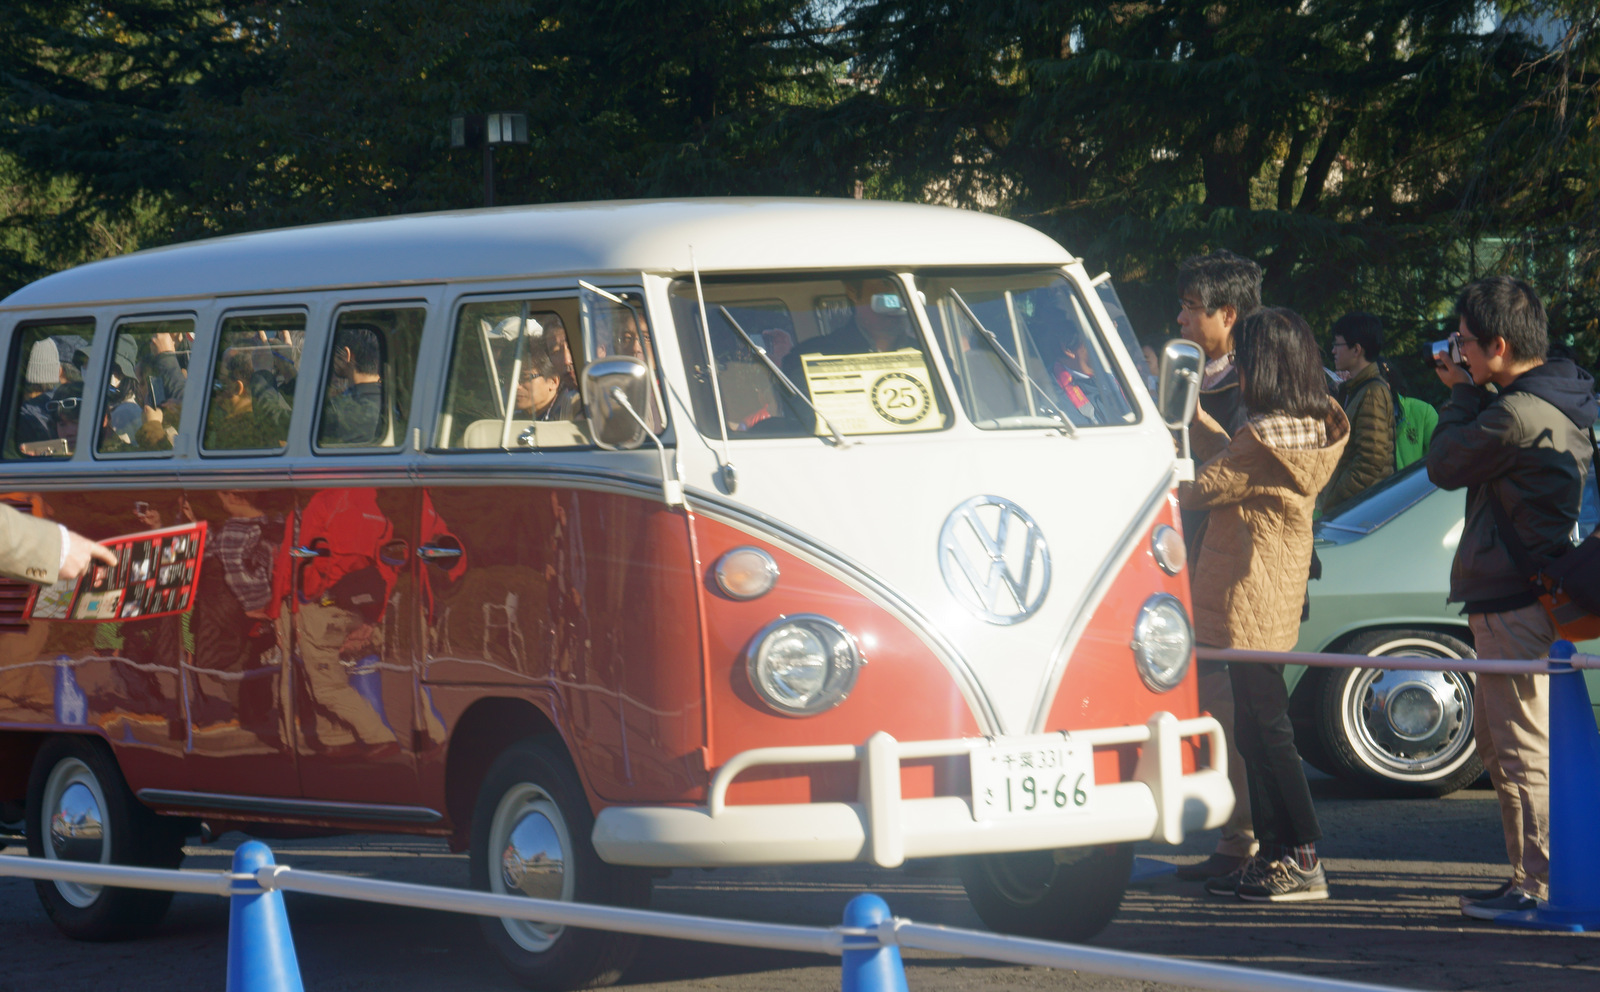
x=1022, y=355
x=729, y=476
x=516, y=374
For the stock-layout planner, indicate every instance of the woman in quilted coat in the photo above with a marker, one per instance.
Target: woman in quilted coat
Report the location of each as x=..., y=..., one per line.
x=1250, y=579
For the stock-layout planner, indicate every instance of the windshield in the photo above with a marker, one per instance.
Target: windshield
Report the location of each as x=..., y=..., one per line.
x=847, y=343
x=1043, y=325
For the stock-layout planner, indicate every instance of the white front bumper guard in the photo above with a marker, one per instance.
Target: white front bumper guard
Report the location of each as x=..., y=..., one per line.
x=1161, y=803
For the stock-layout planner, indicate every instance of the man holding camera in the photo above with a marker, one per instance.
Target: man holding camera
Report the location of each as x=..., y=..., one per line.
x=1522, y=452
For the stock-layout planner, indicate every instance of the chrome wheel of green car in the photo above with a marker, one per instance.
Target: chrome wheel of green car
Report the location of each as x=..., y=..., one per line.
x=1400, y=731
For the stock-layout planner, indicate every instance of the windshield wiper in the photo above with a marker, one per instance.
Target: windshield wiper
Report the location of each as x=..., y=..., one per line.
x=761, y=353
x=1017, y=370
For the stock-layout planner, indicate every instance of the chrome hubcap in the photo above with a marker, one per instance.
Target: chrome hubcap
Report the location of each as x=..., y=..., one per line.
x=76, y=830
x=533, y=862
x=1410, y=724
x=530, y=836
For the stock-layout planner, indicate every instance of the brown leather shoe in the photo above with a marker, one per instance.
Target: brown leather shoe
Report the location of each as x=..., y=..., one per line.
x=1212, y=867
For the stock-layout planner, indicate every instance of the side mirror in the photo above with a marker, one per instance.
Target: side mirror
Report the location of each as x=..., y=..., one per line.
x=1178, y=389
x=608, y=384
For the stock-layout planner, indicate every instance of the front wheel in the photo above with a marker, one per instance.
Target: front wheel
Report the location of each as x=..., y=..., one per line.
x=531, y=836
x=1400, y=732
x=1068, y=895
x=80, y=809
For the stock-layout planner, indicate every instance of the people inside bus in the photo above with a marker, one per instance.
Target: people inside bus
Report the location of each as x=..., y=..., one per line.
x=878, y=320
x=353, y=413
x=64, y=406
x=555, y=338
x=40, y=379
x=1091, y=394
x=541, y=392
x=248, y=410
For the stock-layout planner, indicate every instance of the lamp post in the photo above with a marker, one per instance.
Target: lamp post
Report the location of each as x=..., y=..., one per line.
x=488, y=130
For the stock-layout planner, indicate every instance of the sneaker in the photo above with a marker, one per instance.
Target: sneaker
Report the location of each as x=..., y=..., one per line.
x=1285, y=881
x=1486, y=894
x=1514, y=901
x=1227, y=885
x=1213, y=867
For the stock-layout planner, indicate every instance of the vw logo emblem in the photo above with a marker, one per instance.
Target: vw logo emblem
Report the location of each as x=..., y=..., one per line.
x=994, y=560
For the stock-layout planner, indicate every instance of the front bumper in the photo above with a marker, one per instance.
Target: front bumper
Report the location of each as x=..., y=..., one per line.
x=1161, y=803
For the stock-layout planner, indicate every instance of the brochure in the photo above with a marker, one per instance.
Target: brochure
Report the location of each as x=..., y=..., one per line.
x=154, y=576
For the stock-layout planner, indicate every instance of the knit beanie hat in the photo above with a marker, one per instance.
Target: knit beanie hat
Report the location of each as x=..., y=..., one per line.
x=44, y=364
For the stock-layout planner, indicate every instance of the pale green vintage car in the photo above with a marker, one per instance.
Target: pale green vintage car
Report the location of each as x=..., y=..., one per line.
x=1385, y=573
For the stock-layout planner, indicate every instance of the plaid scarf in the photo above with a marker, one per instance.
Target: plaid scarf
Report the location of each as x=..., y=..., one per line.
x=1286, y=433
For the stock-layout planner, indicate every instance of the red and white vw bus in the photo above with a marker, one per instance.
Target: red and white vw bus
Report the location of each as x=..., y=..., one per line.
x=601, y=539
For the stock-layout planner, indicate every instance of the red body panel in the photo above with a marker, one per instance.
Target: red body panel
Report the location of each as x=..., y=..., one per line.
x=1101, y=686
x=902, y=689
x=346, y=673
x=587, y=598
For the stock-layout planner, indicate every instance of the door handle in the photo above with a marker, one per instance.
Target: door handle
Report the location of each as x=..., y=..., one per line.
x=302, y=551
x=434, y=552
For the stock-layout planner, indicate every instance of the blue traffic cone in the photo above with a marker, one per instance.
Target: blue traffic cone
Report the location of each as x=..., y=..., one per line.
x=260, y=948
x=1574, y=903
x=868, y=965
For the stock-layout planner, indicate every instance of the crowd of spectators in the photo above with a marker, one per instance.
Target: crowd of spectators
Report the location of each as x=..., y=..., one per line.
x=1279, y=438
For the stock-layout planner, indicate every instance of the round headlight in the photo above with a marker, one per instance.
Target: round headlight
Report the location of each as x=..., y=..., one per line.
x=1167, y=546
x=1163, y=642
x=746, y=573
x=803, y=664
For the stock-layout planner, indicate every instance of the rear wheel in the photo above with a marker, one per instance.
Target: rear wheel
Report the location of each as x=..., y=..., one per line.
x=531, y=836
x=1400, y=732
x=1069, y=894
x=80, y=809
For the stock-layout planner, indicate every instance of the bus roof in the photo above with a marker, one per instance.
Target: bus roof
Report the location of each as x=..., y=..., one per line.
x=733, y=234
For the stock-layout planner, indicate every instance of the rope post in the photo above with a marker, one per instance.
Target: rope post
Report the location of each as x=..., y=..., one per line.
x=1574, y=903
x=260, y=948
x=869, y=965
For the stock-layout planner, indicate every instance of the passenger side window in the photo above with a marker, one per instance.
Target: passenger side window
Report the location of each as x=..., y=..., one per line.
x=48, y=361
x=366, y=399
x=145, y=386
x=252, y=386
x=513, y=384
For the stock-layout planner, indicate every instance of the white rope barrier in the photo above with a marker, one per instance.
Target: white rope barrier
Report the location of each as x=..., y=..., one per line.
x=818, y=940
x=1494, y=666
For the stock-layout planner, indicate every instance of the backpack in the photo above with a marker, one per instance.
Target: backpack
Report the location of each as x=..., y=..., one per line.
x=1414, y=421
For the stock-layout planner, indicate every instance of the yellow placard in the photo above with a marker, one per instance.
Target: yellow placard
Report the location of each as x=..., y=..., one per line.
x=885, y=392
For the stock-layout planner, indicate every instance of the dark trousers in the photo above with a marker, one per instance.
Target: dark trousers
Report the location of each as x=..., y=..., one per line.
x=1280, y=801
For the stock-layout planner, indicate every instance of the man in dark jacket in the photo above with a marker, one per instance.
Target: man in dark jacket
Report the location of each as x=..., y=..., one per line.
x=1215, y=293
x=1367, y=400
x=1527, y=449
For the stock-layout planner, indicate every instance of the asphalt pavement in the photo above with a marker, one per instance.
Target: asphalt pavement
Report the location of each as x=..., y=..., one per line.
x=1395, y=868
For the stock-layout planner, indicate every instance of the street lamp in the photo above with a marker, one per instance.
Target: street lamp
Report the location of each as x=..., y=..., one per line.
x=488, y=130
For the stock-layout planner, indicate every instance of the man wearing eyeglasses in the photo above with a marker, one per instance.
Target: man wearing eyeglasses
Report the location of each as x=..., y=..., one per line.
x=1522, y=453
x=1215, y=293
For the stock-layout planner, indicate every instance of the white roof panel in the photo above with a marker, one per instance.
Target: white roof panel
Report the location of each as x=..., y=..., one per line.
x=616, y=236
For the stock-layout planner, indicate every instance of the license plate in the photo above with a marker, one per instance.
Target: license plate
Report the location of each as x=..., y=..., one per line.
x=1044, y=776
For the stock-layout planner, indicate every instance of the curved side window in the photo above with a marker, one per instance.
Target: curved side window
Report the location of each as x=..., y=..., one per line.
x=145, y=386
x=366, y=396
x=47, y=362
x=252, y=386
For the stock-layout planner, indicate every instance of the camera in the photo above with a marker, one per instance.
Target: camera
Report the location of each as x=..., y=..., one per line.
x=1447, y=347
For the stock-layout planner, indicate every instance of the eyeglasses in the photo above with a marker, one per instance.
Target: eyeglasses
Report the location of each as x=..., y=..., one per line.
x=56, y=406
x=1192, y=307
x=1463, y=339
